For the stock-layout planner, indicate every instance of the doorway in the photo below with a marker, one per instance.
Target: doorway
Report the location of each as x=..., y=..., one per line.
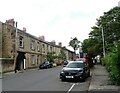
x=20, y=61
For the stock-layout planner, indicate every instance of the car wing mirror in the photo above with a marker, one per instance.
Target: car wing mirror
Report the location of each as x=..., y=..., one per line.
x=64, y=65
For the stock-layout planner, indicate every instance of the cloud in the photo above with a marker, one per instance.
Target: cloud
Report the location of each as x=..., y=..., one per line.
x=56, y=19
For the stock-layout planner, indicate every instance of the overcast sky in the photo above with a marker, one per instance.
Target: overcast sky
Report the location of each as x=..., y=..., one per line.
x=57, y=20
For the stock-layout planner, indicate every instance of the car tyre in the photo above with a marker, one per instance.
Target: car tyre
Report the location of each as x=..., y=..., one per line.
x=89, y=74
x=83, y=79
x=62, y=80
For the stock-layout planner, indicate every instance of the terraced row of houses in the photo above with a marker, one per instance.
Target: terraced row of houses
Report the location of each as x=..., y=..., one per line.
x=19, y=47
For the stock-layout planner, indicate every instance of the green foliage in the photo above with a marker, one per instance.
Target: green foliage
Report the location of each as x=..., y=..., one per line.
x=51, y=56
x=109, y=23
x=74, y=43
x=91, y=45
x=62, y=54
x=112, y=62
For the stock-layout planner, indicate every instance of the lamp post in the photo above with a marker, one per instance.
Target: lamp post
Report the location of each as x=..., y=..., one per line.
x=16, y=41
x=103, y=42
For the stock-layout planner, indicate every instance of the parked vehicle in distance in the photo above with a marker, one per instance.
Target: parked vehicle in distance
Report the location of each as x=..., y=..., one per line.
x=59, y=63
x=76, y=70
x=54, y=64
x=83, y=59
x=45, y=65
x=88, y=61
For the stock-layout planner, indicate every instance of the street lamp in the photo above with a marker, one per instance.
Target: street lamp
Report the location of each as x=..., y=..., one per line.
x=80, y=52
x=16, y=41
x=103, y=42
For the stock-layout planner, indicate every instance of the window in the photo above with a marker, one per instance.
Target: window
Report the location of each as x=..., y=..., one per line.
x=51, y=49
x=38, y=46
x=75, y=65
x=43, y=48
x=33, y=59
x=32, y=45
x=21, y=42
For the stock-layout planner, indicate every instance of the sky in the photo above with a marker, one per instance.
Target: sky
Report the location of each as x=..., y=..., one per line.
x=58, y=20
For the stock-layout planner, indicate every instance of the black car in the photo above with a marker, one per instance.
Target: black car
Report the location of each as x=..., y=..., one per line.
x=45, y=65
x=75, y=70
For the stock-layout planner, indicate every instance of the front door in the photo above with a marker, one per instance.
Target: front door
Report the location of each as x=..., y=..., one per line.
x=20, y=61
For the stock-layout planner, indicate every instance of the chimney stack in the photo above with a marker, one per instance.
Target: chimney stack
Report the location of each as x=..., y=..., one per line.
x=60, y=44
x=53, y=42
x=10, y=22
x=42, y=38
x=24, y=29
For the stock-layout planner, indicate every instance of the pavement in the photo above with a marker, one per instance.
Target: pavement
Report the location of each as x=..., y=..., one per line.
x=100, y=80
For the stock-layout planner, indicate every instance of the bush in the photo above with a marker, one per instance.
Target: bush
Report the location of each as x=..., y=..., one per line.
x=112, y=63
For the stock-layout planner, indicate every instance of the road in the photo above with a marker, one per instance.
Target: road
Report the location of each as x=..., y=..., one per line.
x=41, y=80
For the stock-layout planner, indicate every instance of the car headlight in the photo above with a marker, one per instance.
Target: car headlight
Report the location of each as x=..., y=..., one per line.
x=61, y=72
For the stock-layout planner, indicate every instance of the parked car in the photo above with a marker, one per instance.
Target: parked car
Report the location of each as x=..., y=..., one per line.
x=45, y=65
x=58, y=63
x=54, y=64
x=88, y=61
x=83, y=59
x=76, y=70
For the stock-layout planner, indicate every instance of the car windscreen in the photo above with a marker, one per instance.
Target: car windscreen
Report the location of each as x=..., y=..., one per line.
x=75, y=65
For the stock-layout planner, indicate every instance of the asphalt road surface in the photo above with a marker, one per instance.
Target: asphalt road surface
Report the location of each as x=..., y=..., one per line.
x=41, y=80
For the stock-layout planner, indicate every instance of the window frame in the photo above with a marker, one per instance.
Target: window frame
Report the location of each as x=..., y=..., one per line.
x=21, y=42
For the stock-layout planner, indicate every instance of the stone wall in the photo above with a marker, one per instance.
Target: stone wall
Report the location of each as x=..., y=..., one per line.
x=6, y=41
x=0, y=40
x=7, y=64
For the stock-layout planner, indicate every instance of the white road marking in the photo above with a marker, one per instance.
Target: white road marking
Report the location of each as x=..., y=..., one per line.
x=71, y=88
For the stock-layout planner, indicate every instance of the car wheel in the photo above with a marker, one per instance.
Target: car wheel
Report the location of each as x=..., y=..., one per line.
x=89, y=74
x=62, y=80
x=83, y=79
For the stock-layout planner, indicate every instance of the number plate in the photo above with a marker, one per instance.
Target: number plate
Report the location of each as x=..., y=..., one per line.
x=69, y=77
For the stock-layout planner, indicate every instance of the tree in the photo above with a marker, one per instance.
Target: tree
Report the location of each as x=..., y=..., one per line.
x=91, y=46
x=110, y=24
x=51, y=56
x=74, y=43
x=62, y=54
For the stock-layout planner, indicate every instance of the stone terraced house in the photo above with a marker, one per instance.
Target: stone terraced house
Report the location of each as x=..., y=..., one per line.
x=31, y=49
